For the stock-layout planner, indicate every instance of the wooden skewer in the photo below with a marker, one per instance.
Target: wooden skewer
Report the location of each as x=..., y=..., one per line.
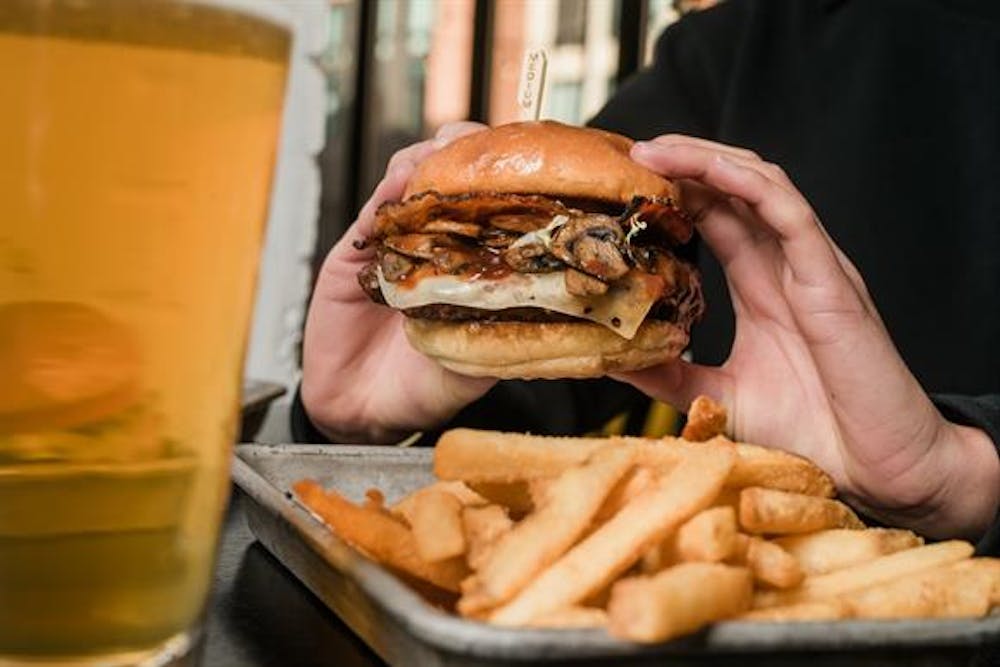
x=532, y=87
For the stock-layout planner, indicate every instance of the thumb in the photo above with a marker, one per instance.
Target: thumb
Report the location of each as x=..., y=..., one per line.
x=679, y=382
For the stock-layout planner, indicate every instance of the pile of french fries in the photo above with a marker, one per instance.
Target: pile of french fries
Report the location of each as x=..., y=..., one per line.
x=650, y=539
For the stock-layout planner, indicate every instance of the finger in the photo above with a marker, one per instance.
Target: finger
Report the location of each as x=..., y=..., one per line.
x=353, y=246
x=451, y=131
x=699, y=198
x=679, y=382
x=744, y=156
x=724, y=227
x=808, y=250
x=401, y=167
x=413, y=154
x=787, y=214
x=726, y=223
x=684, y=140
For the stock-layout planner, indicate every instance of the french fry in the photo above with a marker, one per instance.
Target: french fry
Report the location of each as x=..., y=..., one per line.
x=538, y=490
x=374, y=499
x=991, y=567
x=775, y=469
x=516, y=496
x=959, y=590
x=465, y=495
x=830, y=550
x=828, y=610
x=728, y=497
x=483, y=527
x=741, y=547
x=677, y=601
x=572, y=501
x=708, y=536
x=872, y=573
x=782, y=513
x=755, y=466
x=772, y=565
x=658, y=557
x=492, y=456
x=636, y=481
x=378, y=535
x=616, y=545
x=705, y=420
x=437, y=526
x=572, y=617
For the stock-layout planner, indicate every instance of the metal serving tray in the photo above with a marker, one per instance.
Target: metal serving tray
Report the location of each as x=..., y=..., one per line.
x=404, y=630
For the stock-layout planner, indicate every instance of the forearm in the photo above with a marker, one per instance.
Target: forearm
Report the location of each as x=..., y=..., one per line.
x=954, y=490
x=971, y=495
x=963, y=469
x=307, y=429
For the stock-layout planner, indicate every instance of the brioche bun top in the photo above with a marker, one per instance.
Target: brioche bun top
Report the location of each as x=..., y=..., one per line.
x=540, y=157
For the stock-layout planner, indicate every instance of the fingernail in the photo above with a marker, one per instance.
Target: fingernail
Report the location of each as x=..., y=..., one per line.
x=725, y=163
x=398, y=169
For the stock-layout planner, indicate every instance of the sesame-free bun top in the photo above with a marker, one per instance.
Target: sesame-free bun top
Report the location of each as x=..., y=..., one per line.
x=539, y=157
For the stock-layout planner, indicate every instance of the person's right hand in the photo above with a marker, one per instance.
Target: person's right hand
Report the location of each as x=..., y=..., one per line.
x=361, y=380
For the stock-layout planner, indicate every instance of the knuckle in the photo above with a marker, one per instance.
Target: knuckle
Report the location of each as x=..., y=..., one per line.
x=801, y=211
x=397, y=159
x=776, y=171
x=405, y=155
x=457, y=128
x=451, y=128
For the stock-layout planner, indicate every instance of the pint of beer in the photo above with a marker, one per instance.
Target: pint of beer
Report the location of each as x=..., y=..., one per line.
x=137, y=145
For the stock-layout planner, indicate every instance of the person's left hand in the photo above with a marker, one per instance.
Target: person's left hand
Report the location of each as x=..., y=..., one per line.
x=812, y=369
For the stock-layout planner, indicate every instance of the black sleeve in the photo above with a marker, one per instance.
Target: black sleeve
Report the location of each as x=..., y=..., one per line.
x=302, y=428
x=683, y=90
x=982, y=412
x=544, y=407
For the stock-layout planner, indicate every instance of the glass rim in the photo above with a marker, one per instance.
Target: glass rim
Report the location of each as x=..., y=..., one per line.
x=272, y=11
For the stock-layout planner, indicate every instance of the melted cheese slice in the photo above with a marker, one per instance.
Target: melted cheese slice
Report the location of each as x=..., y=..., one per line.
x=622, y=309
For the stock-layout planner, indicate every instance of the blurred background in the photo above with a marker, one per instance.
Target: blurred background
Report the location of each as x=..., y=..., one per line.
x=373, y=76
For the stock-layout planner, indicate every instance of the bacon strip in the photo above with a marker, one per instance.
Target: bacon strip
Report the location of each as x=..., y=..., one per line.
x=416, y=212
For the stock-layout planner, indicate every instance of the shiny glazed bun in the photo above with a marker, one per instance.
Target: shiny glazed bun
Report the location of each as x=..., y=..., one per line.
x=540, y=157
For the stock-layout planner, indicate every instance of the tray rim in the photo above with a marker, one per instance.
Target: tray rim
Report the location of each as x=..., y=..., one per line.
x=455, y=635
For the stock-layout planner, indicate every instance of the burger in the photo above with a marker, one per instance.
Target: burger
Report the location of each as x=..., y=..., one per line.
x=537, y=250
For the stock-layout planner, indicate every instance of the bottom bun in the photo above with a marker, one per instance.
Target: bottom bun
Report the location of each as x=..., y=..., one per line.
x=543, y=350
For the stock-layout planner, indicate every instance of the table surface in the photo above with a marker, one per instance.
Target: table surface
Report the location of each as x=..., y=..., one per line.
x=261, y=616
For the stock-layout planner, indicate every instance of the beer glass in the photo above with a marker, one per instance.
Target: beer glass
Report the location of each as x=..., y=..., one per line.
x=137, y=145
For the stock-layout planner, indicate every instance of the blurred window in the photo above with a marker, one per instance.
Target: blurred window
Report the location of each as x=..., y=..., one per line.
x=420, y=76
x=564, y=101
x=582, y=46
x=338, y=62
x=571, y=21
x=659, y=14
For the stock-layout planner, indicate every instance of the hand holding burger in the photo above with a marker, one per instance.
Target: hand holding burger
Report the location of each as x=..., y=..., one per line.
x=361, y=379
x=813, y=369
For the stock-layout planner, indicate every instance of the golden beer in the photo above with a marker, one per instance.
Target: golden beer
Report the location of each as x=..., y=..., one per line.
x=137, y=144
